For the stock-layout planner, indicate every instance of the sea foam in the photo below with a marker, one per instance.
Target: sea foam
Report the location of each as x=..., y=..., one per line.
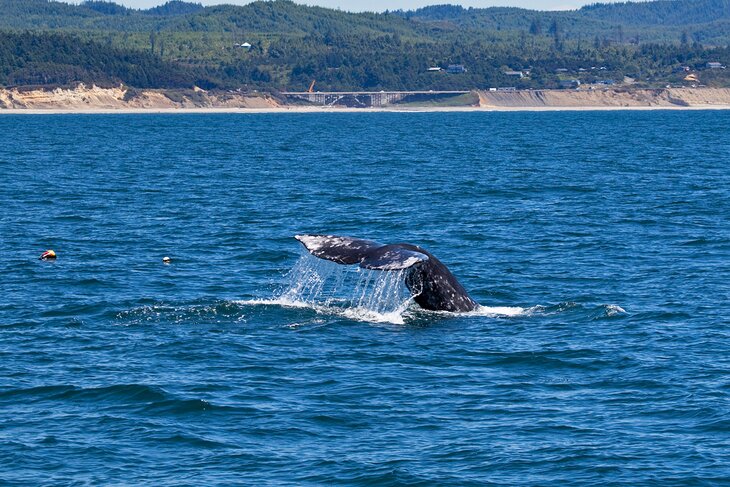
x=358, y=294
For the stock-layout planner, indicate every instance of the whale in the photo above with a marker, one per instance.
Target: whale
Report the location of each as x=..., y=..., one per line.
x=430, y=282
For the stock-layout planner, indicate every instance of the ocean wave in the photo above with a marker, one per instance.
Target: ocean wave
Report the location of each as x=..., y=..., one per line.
x=34, y=392
x=592, y=312
x=543, y=360
x=235, y=311
x=148, y=399
x=191, y=440
x=216, y=311
x=612, y=310
x=175, y=405
x=118, y=393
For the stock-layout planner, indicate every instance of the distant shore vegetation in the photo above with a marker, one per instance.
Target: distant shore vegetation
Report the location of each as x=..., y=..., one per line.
x=282, y=46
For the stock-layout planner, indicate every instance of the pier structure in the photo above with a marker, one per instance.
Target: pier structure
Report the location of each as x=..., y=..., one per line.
x=366, y=98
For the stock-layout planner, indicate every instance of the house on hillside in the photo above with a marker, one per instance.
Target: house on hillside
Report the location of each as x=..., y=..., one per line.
x=456, y=69
x=435, y=69
x=516, y=74
x=715, y=66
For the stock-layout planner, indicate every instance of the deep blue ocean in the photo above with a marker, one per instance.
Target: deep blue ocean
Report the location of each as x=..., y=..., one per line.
x=598, y=244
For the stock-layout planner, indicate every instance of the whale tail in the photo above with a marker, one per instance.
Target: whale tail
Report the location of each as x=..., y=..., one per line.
x=433, y=286
x=366, y=253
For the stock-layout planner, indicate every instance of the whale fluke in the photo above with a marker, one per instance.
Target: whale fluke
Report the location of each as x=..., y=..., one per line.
x=343, y=250
x=366, y=253
x=433, y=286
x=392, y=258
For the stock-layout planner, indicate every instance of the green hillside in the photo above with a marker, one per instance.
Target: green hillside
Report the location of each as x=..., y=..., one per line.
x=663, y=12
x=59, y=59
x=184, y=44
x=705, y=20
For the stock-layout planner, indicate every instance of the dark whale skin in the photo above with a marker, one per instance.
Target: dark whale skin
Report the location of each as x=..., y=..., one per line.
x=435, y=288
x=431, y=283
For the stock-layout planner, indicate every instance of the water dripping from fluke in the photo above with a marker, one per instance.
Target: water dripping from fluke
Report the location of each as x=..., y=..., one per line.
x=353, y=292
x=359, y=294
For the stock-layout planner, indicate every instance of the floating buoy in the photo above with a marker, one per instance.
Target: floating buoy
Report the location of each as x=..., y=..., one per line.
x=166, y=259
x=48, y=255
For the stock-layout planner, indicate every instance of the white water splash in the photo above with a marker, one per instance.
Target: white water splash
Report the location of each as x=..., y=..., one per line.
x=500, y=311
x=359, y=294
x=350, y=291
x=492, y=311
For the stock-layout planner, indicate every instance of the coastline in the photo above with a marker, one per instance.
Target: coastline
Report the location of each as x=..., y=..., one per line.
x=119, y=100
x=318, y=110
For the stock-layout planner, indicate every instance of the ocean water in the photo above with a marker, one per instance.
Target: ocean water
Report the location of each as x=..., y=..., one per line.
x=597, y=243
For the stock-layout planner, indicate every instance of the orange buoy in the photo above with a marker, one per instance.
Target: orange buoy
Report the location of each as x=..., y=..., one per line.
x=48, y=255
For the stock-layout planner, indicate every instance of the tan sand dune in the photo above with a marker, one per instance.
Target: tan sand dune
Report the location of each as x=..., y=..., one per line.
x=83, y=98
x=606, y=98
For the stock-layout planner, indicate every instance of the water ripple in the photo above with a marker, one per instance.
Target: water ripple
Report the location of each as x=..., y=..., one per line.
x=597, y=251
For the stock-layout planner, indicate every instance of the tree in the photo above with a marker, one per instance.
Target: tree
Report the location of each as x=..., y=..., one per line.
x=554, y=28
x=536, y=27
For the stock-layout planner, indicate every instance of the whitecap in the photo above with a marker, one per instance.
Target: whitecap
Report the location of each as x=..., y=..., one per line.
x=614, y=309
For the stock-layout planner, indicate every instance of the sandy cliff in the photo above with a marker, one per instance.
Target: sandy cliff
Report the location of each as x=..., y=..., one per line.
x=95, y=98
x=669, y=97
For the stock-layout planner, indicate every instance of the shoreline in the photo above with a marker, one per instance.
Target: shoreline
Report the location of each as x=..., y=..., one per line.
x=96, y=100
x=318, y=110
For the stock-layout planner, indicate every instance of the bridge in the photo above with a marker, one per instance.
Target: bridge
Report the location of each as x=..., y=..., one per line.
x=363, y=99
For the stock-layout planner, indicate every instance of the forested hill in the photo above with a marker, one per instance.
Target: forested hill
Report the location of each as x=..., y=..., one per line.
x=263, y=17
x=664, y=12
x=706, y=21
x=55, y=59
x=281, y=45
x=652, y=13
